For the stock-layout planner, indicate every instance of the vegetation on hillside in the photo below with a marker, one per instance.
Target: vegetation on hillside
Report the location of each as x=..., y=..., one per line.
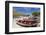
x=35, y=13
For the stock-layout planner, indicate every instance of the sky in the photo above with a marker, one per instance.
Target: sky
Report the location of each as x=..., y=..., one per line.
x=26, y=10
